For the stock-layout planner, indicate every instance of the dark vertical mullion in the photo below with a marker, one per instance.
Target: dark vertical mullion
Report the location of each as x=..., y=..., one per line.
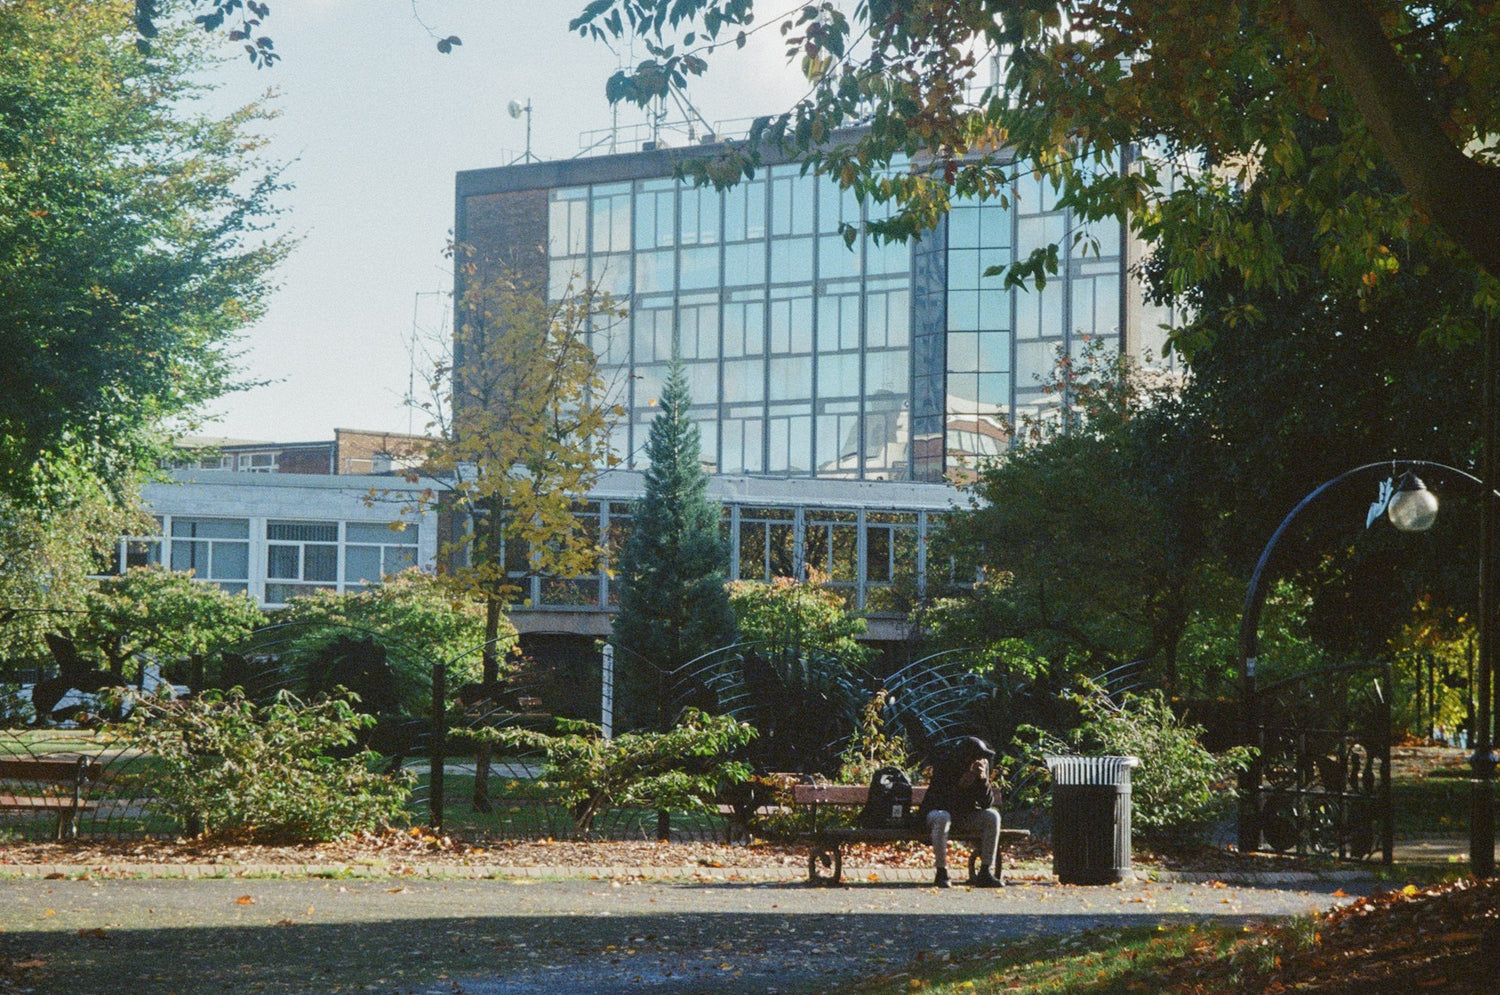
x=765, y=331
x=719, y=339
x=1015, y=328
x=812, y=387
x=1122, y=246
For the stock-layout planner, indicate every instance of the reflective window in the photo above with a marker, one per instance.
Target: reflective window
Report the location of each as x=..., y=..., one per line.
x=791, y=324
x=655, y=214
x=300, y=557
x=791, y=201
x=568, y=223
x=700, y=215
x=745, y=264
x=745, y=211
x=698, y=330
x=611, y=219
x=655, y=271
x=700, y=268
x=373, y=552
x=767, y=543
x=744, y=327
x=791, y=260
x=214, y=549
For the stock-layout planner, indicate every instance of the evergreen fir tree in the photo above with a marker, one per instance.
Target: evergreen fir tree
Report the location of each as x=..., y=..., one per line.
x=671, y=573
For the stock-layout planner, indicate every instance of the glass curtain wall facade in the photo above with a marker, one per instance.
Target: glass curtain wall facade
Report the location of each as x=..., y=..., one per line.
x=810, y=357
x=873, y=559
x=843, y=384
x=797, y=347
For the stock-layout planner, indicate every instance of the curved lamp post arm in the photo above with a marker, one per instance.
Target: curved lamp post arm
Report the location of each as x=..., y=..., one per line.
x=1249, y=642
x=1255, y=595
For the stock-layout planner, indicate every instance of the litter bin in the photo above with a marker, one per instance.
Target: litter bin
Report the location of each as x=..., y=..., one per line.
x=1091, y=818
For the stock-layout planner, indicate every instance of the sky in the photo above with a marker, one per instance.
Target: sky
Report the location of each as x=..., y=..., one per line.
x=374, y=123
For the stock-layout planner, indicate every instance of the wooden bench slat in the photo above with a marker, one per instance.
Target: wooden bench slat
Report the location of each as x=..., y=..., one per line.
x=70, y=775
x=39, y=803
x=60, y=771
x=856, y=834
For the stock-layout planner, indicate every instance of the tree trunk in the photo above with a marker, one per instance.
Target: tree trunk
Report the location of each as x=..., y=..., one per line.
x=1460, y=195
x=490, y=669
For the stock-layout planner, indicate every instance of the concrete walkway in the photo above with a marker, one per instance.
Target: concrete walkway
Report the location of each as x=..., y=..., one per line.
x=526, y=935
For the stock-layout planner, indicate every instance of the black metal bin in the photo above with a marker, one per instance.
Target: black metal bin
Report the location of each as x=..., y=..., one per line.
x=1091, y=818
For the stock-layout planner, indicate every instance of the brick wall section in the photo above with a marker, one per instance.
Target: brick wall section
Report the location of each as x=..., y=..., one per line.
x=359, y=451
x=507, y=230
x=312, y=460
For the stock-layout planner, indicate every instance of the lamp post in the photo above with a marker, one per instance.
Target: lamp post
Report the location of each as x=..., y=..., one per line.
x=1482, y=811
x=1410, y=507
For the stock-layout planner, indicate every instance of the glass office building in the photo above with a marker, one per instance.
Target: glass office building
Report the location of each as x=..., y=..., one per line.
x=884, y=367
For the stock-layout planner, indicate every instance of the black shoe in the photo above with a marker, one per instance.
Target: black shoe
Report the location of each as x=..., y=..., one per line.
x=984, y=879
x=940, y=880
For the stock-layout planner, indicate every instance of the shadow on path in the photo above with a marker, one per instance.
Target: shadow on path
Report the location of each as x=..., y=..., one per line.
x=489, y=937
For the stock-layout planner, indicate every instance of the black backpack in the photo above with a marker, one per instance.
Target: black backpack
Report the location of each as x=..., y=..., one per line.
x=889, y=803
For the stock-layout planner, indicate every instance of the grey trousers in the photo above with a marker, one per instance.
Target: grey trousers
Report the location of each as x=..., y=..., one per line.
x=986, y=824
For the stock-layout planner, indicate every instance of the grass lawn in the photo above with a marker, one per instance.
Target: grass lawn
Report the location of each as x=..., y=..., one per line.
x=1097, y=963
x=1431, y=805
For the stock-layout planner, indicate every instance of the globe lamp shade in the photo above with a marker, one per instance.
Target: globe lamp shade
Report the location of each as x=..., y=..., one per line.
x=1413, y=508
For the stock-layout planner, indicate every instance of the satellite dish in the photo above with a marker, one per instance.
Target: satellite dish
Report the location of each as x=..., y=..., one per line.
x=515, y=109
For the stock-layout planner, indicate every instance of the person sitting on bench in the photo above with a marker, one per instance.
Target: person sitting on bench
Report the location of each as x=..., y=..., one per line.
x=962, y=797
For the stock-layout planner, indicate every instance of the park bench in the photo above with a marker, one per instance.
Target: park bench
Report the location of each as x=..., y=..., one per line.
x=64, y=781
x=825, y=860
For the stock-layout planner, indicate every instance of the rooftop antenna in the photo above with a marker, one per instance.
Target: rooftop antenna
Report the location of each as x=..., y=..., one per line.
x=515, y=109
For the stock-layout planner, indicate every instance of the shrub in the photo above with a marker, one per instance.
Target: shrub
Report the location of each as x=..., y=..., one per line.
x=416, y=619
x=681, y=769
x=872, y=747
x=220, y=763
x=1180, y=791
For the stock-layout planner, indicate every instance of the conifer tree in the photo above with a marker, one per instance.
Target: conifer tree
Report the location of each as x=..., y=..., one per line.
x=673, y=602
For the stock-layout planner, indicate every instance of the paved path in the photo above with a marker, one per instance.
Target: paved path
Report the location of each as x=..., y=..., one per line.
x=486, y=937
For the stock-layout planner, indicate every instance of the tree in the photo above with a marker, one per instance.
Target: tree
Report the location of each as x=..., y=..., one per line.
x=673, y=605
x=684, y=767
x=1084, y=82
x=131, y=246
x=1096, y=520
x=785, y=616
x=163, y=615
x=46, y=560
x=417, y=619
x=524, y=420
x=799, y=676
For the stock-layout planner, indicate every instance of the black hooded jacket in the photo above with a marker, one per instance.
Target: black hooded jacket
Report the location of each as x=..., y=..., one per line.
x=947, y=793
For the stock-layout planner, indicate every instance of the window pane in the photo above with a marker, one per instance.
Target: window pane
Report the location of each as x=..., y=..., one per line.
x=190, y=556
x=303, y=531
x=878, y=555
x=211, y=528
x=231, y=561
x=362, y=563
x=399, y=558
x=283, y=562
x=320, y=563
x=379, y=534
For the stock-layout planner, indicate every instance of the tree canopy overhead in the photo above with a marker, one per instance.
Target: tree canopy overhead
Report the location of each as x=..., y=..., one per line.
x=1407, y=83
x=131, y=247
